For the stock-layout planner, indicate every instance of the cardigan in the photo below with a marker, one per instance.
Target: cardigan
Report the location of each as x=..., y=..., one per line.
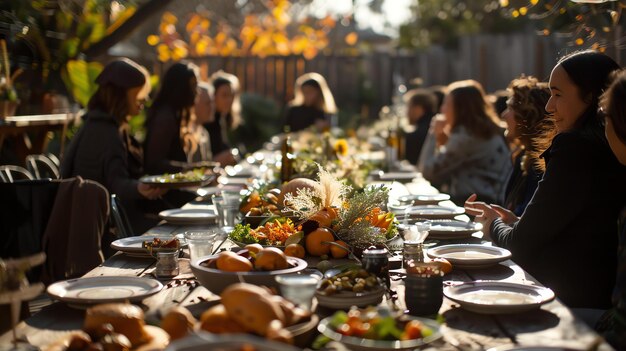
x=567, y=238
x=163, y=143
x=470, y=165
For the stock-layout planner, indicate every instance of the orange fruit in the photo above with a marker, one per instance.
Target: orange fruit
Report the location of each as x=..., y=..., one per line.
x=270, y=259
x=254, y=248
x=338, y=252
x=314, y=242
x=231, y=262
x=295, y=250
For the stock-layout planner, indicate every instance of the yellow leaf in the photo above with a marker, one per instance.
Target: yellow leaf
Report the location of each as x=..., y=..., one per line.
x=205, y=24
x=162, y=48
x=193, y=22
x=351, y=38
x=579, y=41
x=169, y=18
x=164, y=56
x=220, y=38
x=310, y=52
x=534, y=2
x=194, y=37
x=523, y=10
x=504, y=3
x=153, y=40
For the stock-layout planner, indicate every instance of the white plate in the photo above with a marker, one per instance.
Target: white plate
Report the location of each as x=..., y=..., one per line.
x=95, y=290
x=470, y=256
x=424, y=199
x=356, y=343
x=133, y=245
x=201, y=341
x=452, y=229
x=495, y=297
x=189, y=216
x=434, y=211
x=400, y=176
x=344, y=300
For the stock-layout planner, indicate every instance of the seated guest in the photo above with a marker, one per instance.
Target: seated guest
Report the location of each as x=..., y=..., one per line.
x=103, y=150
x=613, y=323
x=525, y=117
x=197, y=144
x=421, y=107
x=566, y=236
x=465, y=146
x=168, y=120
x=313, y=104
x=227, y=116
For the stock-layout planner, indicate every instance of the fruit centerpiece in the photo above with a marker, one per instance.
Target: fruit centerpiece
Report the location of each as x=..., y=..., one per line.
x=336, y=218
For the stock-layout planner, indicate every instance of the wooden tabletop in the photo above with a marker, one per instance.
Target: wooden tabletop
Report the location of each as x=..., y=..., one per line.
x=551, y=325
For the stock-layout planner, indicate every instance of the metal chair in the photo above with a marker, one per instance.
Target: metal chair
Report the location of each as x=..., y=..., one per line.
x=41, y=166
x=120, y=220
x=11, y=173
x=54, y=159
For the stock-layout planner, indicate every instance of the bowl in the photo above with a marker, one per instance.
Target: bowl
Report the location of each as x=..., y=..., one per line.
x=217, y=280
x=356, y=343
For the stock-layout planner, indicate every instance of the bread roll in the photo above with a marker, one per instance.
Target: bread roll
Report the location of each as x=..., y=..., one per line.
x=126, y=319
x=251, y=307
x=177, y=322
x=216, y=320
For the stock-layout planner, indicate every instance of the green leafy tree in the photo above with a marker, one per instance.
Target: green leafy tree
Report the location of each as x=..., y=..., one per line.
x=445, y=21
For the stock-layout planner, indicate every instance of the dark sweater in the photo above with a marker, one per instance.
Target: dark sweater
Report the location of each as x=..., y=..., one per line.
x=567, y=236
x=216, y=135
x=521, y=187
x=302, y=117
x=163, y=143
x=415, y=140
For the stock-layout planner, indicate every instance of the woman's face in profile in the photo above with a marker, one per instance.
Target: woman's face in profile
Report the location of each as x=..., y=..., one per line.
x=565, y=105
x=224, y=97
x=203, y=107
x=311, y=95
x=135, y=98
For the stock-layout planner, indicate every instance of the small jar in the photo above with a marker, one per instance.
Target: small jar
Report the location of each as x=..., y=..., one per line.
x=376, y=261
x=167, y=264
x=412, y=251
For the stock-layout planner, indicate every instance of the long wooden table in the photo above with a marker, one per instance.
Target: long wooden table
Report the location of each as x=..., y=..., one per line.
x=551, y=325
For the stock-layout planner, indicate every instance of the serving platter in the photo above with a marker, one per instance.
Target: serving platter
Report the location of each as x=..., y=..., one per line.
x=133, y=245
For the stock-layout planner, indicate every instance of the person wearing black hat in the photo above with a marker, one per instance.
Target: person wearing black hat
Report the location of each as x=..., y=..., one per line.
x=103, y=149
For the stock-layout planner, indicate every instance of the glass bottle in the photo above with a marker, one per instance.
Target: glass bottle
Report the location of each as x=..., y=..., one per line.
x=286, y=165
x=391, y=150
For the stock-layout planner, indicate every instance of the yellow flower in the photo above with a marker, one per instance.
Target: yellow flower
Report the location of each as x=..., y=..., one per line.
x=341, y=147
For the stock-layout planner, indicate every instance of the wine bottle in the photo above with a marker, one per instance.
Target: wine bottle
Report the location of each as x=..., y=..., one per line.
x=286, y=164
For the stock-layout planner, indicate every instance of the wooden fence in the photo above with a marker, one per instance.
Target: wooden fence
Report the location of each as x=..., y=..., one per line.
x=366, y=82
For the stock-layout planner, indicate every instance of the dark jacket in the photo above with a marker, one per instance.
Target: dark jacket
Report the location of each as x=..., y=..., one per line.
x=302, y=117
x=567, y=236
x=217, y=134
x=104, y=152
x=101, y=151
x=415, y=140
x=521, y=187
x=163, y=143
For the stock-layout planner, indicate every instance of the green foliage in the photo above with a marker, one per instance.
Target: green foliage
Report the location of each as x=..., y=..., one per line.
x=80, y=79
x=445, y=21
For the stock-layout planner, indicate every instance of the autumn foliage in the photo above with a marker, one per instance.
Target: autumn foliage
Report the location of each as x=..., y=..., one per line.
x=274, y=32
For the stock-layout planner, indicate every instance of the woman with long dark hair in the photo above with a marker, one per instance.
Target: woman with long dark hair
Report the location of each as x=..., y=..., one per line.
x=566, y=236
x=169, y=119
x=103, y=149
x=465, y=147
x=313, y=104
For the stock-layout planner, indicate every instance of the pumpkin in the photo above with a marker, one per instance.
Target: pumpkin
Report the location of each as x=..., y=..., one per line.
x=324, y=217
x=293, y=185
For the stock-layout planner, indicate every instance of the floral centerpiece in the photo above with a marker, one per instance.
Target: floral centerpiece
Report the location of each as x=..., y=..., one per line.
x=357, y=218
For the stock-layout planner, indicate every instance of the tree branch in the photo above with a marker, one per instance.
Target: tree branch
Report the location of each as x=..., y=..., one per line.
x=144, y=12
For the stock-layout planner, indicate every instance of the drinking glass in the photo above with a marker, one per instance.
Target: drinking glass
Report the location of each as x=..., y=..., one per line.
x=201, y=242
x=298, y=288
x=227, y=207
x=417, y=232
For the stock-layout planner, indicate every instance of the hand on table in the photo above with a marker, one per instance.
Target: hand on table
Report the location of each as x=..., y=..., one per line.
x=487, y=213
x=150, y=192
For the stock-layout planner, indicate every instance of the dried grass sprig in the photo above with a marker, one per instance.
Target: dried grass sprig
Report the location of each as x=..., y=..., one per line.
x=305, y=203
x=333, y=190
